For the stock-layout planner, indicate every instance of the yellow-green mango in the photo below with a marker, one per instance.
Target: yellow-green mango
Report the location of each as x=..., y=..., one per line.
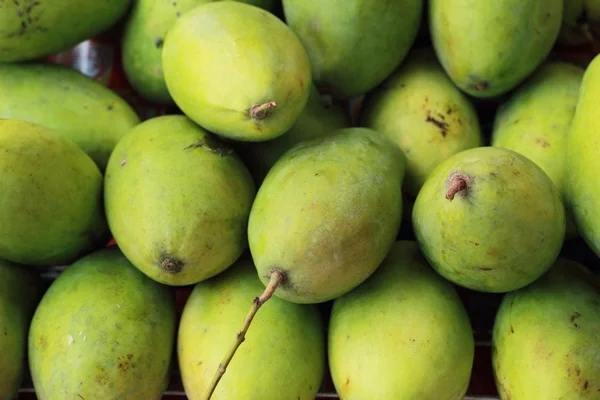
x=143, y=38
x=61, y=98
x=51, y=209
x=31, y=29
x=536, y=119
x=489, y=48
x=237, y=70
x=489, y=219
x=177, y=200
x=402, y=334
x=546, y=337
x=103, y=330
x=283, y=354
x=583, y=159
x=581, y=22
x=424, y=113
x=354, y=45
x=327, y=214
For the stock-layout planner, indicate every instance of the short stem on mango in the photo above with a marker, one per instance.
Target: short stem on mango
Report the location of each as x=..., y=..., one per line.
x=589, y=36
x=258, y=112
x=457, y=184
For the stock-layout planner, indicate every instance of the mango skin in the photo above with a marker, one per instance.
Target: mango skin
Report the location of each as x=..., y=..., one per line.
x=421, y=110
x=545, y=337
x=51, y=212
x=503, y=234
x=354, y=45
x=20, y=291
x=217, y=69
x=286, y=340
x=31, y=29
x=536, y=119
x=488, y=48
x=102, y=330
x=583, y=159
x=327, y=214
x=174, y=192
x=84, y=111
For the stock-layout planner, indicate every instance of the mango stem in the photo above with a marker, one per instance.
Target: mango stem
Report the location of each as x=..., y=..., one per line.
x=589, y=35
x=258, y=112
x=457, y=184
x=275, y=280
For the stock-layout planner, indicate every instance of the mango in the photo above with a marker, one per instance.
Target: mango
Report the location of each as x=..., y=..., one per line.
x=489, y=48
x=177, y=200
x=286, y=341
x=546, y=337
x=536, y=119
x=489, y=219
x=51, y=209
x=583, y=159
x=354, y=45
x=84, y=111
x=103, y=330
x=143, y=37
x=237, y=70
x=327, y=214
x=416, y=313
x=421, y=110
x=31, y=29
x=581, y=23
x=20, y=291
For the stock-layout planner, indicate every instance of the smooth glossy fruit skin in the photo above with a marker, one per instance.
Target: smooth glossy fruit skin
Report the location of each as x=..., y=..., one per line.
x=177, y=200
x=354, y=45
x=224, y=58
x=536, y=119
x=20, y=291
x=103, y=330
x=488, y=48
x=31, y=29
x=327, y=214
x=546, y=337
x=282, y=357
x=143, y=38
x=51, y=209
x=421, y=110
x=502, y=233
x=581, y=22
x=61, y=98
x=583, y=159
x=386, y=336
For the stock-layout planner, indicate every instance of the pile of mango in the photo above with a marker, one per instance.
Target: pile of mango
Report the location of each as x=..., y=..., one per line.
x=267, y=198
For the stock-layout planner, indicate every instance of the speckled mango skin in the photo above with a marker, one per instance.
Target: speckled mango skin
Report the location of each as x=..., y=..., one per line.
x=503, y=234
x=545, y=337
x=173, y=190
x=51, y=210
x=385, y=336
x=283, y=356
x=222, y=58
x=488, y=48
x=103, y=330
x=328, y=213
x=583, y=159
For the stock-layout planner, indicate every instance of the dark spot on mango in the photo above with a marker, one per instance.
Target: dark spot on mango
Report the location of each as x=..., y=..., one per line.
x=512, y=329
x=483, y=269
x=158, y=43
x=440, y=124
x=110, y=107
x=347, y=380
x=585, y=385
x=481, y=86
x=573, y=318
x=542, y=142
x=178, y=14
x=43, y=342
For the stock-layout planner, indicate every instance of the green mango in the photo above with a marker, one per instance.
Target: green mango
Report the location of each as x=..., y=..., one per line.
x=581, y=22
x=143, y=37
x=177, y=200
x=31, y=29
x=416, y=313
x=489, y=219
x=237, y=70
x=286, y=340
x=327, y=214
x=354, y=45
x=421, y=110
x=84, y=111
x=489, y=48
x=20, y=291
x=535, y=121
x=583, y=159
x=51, y=212
x=546, y=336
x=103, y=330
